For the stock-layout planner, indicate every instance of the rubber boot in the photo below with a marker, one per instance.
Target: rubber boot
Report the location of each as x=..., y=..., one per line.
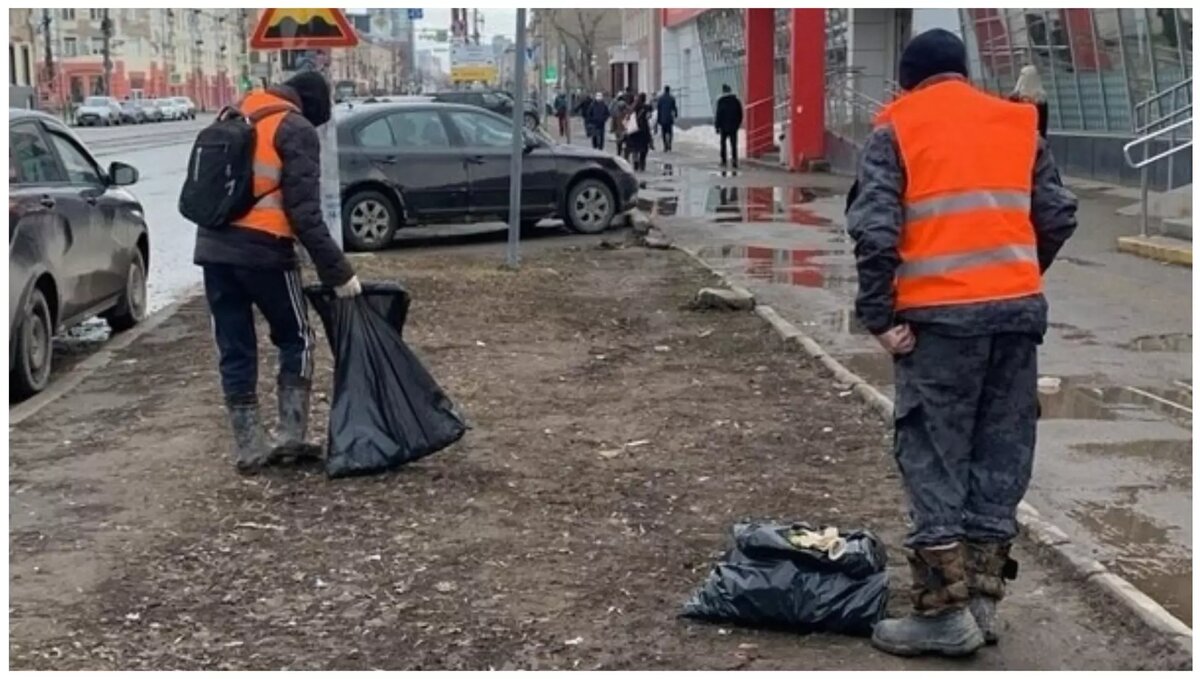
x=988, y=566
x=940, y=622
x=291, y=441
x=250, y=449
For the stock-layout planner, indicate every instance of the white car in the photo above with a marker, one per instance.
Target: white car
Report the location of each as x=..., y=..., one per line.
x=170, y=109
x=186, y=107
x=98, y=111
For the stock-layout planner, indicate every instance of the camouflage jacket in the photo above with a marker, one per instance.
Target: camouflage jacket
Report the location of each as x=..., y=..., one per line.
x=875, y=215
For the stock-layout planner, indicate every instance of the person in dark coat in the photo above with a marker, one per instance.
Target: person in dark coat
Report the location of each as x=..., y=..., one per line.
x=1030, y=91
x=667, y=113
x=964, y=344
x=728, y=122
x=595, y=116
x=247, y=266
x=561, y=112
x=638, y=141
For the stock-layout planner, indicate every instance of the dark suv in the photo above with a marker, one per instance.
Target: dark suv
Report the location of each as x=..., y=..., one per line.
x=78, y=245
x=496, y=102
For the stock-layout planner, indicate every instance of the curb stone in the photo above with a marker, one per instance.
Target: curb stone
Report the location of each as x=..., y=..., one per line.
x=92, y=364
x=1043, y=533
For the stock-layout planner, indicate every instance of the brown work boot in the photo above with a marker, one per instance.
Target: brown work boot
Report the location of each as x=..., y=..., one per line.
x=988, y=566
x=940, y=622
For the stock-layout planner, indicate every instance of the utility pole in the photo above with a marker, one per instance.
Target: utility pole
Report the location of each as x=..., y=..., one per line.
x=242, y=36
x=50, y=79
x=106, y=49
x=518, y=148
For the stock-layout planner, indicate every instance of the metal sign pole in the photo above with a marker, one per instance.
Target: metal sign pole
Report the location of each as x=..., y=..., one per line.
x=518, y=148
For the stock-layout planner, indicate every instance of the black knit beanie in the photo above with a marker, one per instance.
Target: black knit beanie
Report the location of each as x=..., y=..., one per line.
x=930, y=53
x=315, y=98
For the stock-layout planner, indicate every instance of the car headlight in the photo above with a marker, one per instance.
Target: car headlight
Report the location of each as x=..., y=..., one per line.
x=623, y=164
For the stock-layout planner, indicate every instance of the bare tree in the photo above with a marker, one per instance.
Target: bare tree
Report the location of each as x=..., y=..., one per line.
x=580, y=32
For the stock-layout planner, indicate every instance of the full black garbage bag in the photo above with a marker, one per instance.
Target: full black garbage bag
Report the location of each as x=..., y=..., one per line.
x=764, y=580
x=387, y=410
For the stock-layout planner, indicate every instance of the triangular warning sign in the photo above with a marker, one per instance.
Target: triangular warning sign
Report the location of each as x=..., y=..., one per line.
x=296, y=29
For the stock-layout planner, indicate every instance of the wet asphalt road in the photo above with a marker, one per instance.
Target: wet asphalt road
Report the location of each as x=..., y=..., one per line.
x=1114, y=457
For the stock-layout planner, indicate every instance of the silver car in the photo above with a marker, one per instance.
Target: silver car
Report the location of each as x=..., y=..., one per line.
x=98, y=111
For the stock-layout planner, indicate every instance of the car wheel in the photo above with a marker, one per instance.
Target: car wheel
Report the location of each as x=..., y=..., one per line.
x=590, y=206
x=531, y=122
x=35, y=348
x=131, y=308
x=369, y=221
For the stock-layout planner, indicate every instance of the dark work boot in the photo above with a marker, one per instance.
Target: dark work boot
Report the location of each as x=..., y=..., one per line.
x=940, y=622
x=988, y=566
x=250, y=450
x=291, y=442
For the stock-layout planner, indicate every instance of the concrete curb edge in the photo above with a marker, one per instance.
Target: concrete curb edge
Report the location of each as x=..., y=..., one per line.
x=89, y=366
x=1045, y=535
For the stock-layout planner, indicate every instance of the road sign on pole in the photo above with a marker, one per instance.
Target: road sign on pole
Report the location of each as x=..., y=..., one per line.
x=415, y=14
x=518, y=148
x=292, y=28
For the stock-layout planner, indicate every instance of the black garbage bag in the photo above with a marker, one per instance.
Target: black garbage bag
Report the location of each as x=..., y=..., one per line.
x=387, y=410
x=764, y=580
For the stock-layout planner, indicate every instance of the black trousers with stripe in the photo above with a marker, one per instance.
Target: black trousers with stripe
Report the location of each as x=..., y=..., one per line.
x=232, y=293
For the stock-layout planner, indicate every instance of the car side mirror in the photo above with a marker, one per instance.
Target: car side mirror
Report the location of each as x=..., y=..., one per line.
x=122, y=174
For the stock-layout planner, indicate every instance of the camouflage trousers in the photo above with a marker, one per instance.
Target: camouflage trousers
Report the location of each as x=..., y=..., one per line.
x=966, y=424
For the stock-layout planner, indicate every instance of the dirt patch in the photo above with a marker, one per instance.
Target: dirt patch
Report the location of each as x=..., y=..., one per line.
x=135, y=546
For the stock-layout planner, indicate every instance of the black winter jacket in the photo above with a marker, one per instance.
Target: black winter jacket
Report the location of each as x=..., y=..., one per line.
x=729, y=113
x=299, y=148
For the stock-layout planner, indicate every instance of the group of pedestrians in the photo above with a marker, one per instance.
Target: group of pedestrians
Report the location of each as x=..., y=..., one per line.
x=630, y=119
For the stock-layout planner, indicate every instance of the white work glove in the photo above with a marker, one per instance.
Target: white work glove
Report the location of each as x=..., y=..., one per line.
x=351, y=288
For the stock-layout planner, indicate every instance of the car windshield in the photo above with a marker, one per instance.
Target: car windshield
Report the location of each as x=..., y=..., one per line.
x=95, y=101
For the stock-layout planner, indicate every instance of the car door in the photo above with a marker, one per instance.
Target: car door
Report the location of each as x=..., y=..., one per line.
x=413, y=150
x=48, y=221
x=105, y=258
x=487, y=147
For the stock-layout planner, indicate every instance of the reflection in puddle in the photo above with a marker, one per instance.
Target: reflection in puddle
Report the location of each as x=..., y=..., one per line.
x=1177, y=342
x=1064, y=399
x=734, y=204
x=798, y=266
x=1141, y=558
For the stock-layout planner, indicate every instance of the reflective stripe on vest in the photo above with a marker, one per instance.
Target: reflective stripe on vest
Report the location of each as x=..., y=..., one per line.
x=267, y=214
x=968, y=160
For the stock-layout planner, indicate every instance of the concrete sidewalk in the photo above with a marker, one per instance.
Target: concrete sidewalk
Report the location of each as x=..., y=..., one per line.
x=1114, y=458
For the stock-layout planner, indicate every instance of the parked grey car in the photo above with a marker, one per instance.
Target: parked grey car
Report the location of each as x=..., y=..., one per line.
x=78, y=245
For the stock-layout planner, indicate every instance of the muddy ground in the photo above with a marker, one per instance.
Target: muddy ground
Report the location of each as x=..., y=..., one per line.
x=529, y=544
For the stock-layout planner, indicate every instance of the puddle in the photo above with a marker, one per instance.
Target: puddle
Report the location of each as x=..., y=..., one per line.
x=800, y=266
x=1141, y=558
x=1174, y=342
x=1064, y=399
x=734, y=204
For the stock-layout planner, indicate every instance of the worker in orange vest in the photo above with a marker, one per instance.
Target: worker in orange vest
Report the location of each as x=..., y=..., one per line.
x=959, y=212
x=252, y=263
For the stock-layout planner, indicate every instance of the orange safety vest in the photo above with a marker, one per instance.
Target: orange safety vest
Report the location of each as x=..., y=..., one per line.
x=267, y=214
x=968, y=161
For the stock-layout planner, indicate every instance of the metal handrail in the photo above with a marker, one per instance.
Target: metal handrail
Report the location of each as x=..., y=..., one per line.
x=1143, y=107
x=1145, y=163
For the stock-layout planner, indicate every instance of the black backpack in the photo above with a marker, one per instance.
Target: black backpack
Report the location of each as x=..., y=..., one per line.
x=219, y=187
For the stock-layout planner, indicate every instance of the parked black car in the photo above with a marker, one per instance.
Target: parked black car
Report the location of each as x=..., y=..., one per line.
x=405, y=164
x=497, y=102
x=77, y=244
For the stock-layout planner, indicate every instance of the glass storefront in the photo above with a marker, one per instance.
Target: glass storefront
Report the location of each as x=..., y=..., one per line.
x=1096, y=64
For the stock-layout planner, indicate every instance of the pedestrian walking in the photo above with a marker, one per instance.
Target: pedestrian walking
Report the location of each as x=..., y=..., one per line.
x=958, y=214
x=251, y=262
x=560, y=112
x=1029, y=90
x=728, y=121
x=595, y=117
x=619, y=112
x=638, y=140
x=667, y=113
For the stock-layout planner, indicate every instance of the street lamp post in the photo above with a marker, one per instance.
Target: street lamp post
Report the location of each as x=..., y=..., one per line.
x=518, y=147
